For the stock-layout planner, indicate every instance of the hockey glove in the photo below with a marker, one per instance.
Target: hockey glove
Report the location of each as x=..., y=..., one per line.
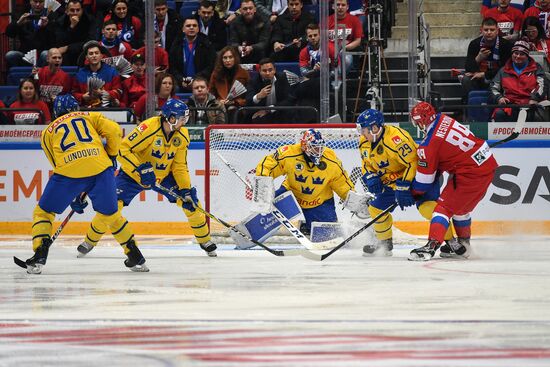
x=79, y=204
x=190, y=198
x=403, y=194
x=373, y=182
x=114, y=162
x=146, y=174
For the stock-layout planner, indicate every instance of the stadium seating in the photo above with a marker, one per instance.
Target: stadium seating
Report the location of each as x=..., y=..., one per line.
x=479, y=98
x=171, y=4
x=313, y=9
x=8, y=93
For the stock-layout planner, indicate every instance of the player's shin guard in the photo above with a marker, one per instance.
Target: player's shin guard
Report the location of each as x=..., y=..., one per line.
x=463, y=225
x=119, y=227
x=426, y=209
x=41, y=226
x=199, y=226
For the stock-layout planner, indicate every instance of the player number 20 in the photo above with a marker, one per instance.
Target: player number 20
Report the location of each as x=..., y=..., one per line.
x=458, y=136
x=80, y=129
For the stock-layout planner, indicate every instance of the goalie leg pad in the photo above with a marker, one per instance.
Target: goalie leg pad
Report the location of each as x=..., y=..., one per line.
x=260, y=227
x=326, y=212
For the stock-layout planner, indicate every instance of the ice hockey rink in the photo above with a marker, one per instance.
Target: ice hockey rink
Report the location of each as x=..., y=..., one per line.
x=251, y=308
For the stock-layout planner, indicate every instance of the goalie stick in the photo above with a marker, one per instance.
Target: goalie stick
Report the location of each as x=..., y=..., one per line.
x=297, y=252
x=278, y=215
x=22, y=263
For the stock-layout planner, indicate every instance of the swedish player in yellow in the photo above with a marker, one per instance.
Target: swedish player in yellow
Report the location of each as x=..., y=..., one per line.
x=156, y=151
x=72, y=143
x=389, y=166
x=313, y=173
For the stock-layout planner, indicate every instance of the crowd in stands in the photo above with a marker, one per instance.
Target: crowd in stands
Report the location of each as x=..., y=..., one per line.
x=510, y=59
x=223, y=55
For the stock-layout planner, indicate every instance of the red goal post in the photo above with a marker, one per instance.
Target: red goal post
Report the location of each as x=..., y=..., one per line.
x=243, y=146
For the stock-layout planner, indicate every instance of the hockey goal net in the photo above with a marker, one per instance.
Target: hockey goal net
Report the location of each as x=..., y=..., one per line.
x=243, y=147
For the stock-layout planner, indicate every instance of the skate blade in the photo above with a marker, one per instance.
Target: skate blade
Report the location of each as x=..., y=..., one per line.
x=212, y=254
x=378, y=253
x=34, y=269
x=454, y=256
x=139, y=268
x=419, y=257
x=81, y=254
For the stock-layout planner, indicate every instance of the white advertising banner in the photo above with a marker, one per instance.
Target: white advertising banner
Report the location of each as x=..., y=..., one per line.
x=520, y=190
x=531, y=131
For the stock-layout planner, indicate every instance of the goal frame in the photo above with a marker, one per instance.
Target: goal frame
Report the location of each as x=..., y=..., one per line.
x=207, y=168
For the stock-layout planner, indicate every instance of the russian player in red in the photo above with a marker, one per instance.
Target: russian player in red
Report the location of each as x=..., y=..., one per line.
x=449, y=146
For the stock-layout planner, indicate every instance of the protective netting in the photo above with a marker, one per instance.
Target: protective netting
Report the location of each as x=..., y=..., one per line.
x=243, y=147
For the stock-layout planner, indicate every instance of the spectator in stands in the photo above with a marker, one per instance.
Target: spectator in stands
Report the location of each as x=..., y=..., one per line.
x=134, y=87
x=165, y=88
x=486, y=55
x=250, y=33
x=308, y=91
x=167, y=22
x=73, y=30
x=227, y=70
x=113, y=43
x=211, y=25
x=228, y=10
x=269, y=88
x=51, y=79
x=202, y=97
x=521, y=5
x=520, y=81
x=508, y=19
x=289, y=30
x=85, y=88
x=350, y=28
x=542, y=12
x=27, y=97
x=271, y=9
x=191, y=55
x=533, y=32
x=35, y=30
x=161, y=55
x=129, y=26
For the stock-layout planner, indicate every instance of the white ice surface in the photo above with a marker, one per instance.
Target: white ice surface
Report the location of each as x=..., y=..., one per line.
x=250, y=308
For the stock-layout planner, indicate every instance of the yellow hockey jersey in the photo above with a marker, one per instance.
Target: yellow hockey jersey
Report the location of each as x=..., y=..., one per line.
x=393, y=156
x=148, y=143
x=311, y=185
x=74, y=147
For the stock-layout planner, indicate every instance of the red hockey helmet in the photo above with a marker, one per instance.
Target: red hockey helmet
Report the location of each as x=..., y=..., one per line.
x=422, y=115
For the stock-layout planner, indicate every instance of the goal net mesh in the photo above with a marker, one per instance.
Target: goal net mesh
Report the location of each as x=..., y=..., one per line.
x=243, y=147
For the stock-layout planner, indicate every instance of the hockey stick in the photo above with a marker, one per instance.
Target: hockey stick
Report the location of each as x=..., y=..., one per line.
x=276, y=213
x=522, y=117
x=22, y=263
x=343, y=243
x=298, y=252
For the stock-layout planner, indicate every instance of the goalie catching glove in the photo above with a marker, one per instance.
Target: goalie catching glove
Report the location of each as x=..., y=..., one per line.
x=263, y=193
x=358, y=204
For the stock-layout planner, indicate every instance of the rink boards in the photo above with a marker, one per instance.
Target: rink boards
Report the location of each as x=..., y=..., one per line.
x=517, y=201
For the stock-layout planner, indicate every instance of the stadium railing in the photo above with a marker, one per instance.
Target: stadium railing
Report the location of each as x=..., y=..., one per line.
x=274, y=108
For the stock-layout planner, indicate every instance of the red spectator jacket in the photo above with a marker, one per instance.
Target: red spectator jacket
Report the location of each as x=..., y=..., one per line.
x=519, y=89
x=53, y=84
x=161, y=57
x=132, y=89
x=30, y=117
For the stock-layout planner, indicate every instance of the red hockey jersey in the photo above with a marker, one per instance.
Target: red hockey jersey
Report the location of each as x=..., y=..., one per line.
x=451, y=147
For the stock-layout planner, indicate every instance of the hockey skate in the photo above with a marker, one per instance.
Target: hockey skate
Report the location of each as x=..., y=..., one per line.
x=456, y=249
x=38, y=260
x=424, y=253
x=83, y=249
x=135, y=260
x=381, y=248
x=210, y=248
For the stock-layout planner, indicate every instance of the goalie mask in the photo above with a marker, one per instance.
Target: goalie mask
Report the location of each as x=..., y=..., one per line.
x=64, y=104
x=175, y=112
x=313, y=145
x=370, y=118
x=423, y=115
